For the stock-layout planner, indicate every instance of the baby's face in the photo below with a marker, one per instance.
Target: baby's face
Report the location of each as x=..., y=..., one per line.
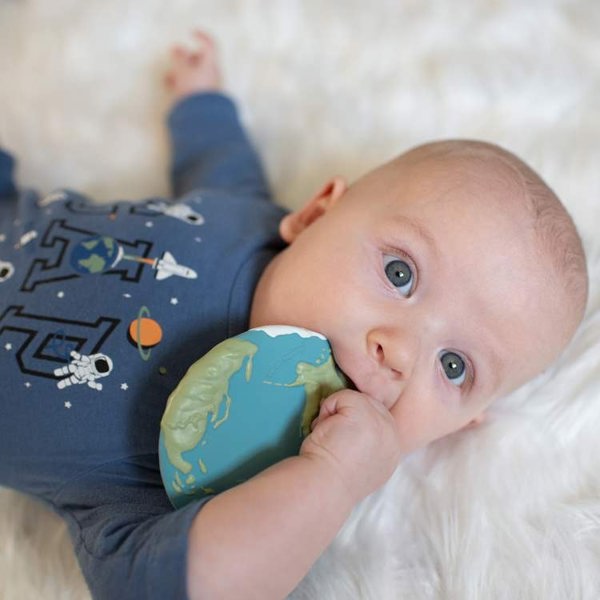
x=429, y=287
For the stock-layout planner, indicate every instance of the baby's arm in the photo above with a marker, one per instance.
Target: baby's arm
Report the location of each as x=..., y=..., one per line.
x=259, y=539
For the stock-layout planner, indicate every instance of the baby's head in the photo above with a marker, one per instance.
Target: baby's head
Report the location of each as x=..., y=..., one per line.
x=443, y=280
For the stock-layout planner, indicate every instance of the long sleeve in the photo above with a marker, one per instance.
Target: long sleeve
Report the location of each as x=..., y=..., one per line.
x=210, y=148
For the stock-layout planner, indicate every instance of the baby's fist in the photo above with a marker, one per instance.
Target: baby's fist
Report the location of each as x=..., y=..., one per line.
x=358, y=437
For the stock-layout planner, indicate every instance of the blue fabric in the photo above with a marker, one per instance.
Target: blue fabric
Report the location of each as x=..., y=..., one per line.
x=102, y=310
x=7, y=185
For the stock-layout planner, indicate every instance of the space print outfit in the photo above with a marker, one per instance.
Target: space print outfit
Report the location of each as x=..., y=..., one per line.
x=103, y=307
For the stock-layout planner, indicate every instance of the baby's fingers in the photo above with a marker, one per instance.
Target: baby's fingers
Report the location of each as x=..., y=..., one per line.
x=328, y=408
x=344, y=400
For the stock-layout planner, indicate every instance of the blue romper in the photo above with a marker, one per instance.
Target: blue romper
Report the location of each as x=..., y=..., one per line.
x=103, y=307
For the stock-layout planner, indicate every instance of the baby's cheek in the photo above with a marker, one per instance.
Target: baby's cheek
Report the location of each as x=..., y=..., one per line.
x=422, y=420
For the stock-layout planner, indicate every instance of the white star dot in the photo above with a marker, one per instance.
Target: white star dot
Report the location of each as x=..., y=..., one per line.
x=8, y=346
x=60, y=295
x=149, y=224
x=124, y=386
x=174, y=301
x=2, y=237
x=68, y=404
x=126, y=295
x=27, y=384
x=198, y=239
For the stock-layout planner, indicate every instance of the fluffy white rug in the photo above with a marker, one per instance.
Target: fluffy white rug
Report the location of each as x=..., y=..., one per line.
x=511, y=510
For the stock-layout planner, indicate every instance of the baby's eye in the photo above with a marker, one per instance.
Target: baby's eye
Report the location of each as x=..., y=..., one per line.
x=454, y=367
x=399, y=273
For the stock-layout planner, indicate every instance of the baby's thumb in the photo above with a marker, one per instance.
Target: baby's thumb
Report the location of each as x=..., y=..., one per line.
x=328, y=408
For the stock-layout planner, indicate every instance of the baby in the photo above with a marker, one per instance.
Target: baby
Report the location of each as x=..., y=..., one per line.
x=434, y=277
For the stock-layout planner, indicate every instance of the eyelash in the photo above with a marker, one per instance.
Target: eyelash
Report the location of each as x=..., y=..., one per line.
x=396, y=253
x=469, y=370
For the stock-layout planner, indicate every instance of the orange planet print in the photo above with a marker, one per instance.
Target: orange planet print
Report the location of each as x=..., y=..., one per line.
x=150, y=332
x=145, y=333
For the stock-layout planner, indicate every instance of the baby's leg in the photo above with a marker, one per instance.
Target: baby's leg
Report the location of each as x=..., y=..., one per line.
x=209, y=146
x=193, y=71
x=7, y=185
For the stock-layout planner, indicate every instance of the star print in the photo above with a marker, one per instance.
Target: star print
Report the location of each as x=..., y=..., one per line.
x=174, y=301
x=2, y=237
x=124, y=386
x=149, y=224
x=8, y=346
x=126, y=295
x=60, y=295
x=198, y=239
x=68, y=404
x=27, y=384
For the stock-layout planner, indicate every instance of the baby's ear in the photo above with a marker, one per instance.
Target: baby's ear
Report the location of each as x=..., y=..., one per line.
x=296, y=222
x=478, y=420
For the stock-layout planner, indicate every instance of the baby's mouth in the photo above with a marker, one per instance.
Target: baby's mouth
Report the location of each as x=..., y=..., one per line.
x=348, y=382
x=347, y=379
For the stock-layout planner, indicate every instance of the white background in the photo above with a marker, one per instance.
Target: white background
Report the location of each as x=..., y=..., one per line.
x=511, y=510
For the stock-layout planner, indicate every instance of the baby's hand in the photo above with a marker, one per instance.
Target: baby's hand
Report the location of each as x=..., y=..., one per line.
x=193, y=71
x=358, y=437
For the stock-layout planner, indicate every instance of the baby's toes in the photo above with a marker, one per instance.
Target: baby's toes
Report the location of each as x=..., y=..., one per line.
x=169, y=81
x=179, y=54
x=194, y=59
x=204, y=38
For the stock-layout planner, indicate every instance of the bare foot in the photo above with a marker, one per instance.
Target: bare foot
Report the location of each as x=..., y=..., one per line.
x=193, y=71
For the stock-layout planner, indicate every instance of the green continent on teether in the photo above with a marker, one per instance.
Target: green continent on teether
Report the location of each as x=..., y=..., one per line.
x=245, y=405
x=201, y=392
x=319, y=381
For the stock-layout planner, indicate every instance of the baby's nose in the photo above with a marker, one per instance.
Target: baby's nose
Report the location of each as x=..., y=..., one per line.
x=395, y=353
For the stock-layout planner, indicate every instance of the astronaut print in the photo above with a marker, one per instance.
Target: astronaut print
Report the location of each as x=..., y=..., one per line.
x=84, y=369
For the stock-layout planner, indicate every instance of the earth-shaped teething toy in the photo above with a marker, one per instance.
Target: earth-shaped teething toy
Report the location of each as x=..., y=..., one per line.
x=243, y=406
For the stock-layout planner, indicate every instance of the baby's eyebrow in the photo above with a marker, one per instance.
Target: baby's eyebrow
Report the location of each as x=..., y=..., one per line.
x=419, y=230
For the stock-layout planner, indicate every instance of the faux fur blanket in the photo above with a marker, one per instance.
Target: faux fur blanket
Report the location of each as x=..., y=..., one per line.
x=510, y=510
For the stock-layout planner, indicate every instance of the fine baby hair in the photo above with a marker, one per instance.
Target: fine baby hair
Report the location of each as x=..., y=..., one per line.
x=553, y=225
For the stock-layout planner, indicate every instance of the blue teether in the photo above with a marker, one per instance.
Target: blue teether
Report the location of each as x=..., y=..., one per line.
x=243, y=406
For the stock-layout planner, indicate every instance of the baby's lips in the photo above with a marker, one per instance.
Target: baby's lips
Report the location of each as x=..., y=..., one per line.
x=348, y=381
x=351, y=384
